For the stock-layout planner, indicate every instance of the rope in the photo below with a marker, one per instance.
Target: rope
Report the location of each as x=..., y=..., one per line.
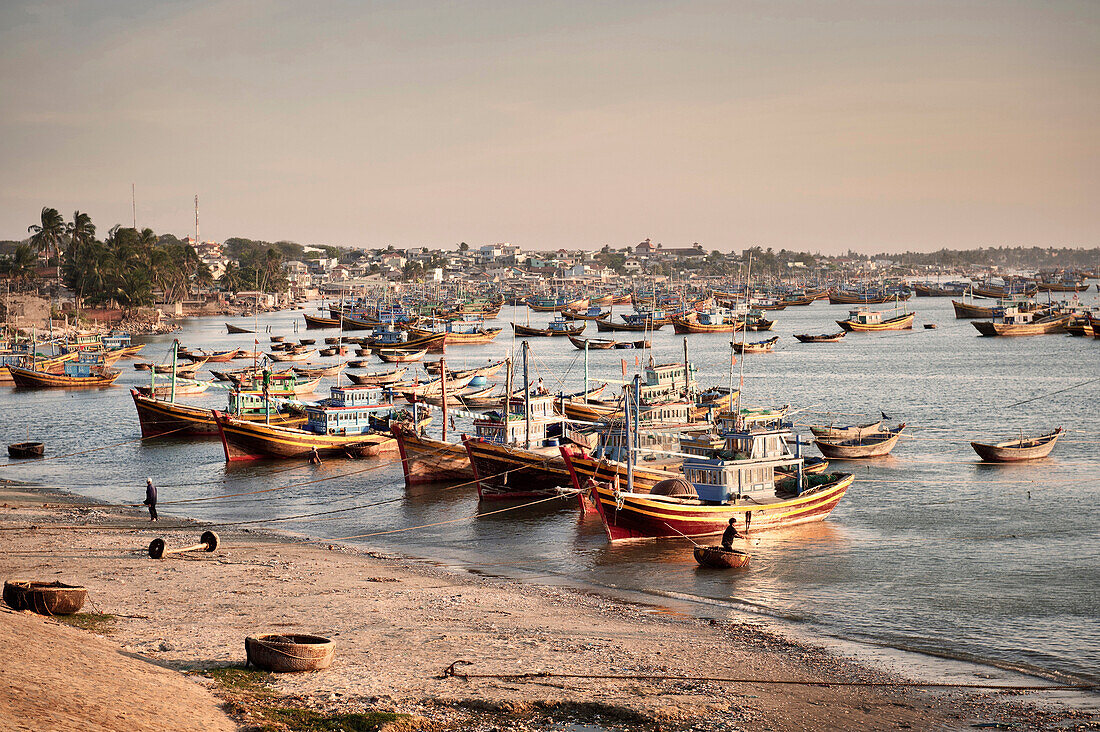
x=453, y=672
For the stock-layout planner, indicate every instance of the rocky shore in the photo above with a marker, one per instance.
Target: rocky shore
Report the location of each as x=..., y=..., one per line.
x=398, y=624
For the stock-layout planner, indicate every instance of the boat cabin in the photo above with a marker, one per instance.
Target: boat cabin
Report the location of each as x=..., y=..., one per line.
x=87, y=365
x=1012, y=315
x=659, y=380
x=744, y=467
x=546, y=425
x=116, y=339
x=85, y=341
x=561, y=325
x=347, y=411
x=659, y=429
x=718, y=316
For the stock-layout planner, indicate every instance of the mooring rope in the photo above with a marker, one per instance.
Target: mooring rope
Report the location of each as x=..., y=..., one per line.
x=453, y=672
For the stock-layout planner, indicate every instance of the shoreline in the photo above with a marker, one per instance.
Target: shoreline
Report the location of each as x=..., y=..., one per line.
x=435, y=614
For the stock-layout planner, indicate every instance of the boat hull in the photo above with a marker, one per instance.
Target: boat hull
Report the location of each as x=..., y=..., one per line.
x=243, y=440
x=901, y=322
x=31, y=379
x=424, y=460
x=504, y=473
x=636, y=517
x=1016, y=451
x=158, y=417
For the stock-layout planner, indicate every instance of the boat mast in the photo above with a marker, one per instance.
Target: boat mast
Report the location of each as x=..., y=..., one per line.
x=175, y=356
x=585, y=372
x=744, y=336
x=443, y=389
x=526, y=401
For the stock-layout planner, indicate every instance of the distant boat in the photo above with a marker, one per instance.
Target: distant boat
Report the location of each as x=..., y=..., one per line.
x=864, y=320
x=77, y=375
x=237, y=329
x=1013, y=322
x=1024, y=448
x=823, y=338
x=556, y=327
x=766, y=346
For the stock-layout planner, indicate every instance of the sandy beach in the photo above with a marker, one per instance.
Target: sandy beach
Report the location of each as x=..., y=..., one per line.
x=398, y=624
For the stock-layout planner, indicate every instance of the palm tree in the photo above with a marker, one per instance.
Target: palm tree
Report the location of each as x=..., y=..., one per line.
x=47, y=234
x=231, y=278
x=20, y=267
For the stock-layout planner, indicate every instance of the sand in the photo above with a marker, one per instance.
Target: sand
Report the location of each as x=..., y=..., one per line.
x=398, y=624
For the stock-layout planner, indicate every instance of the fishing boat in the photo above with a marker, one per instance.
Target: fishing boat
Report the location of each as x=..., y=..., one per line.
x=456, y=398
x=556, y=327
x=965, y=310
x=599, y=344
x=718, y=557
x=594, y=312
x=165, y=417
x=468, y=330
x=230, y=328
x=278, y=383
x=435, y=386
x=1011, y=321
x=310, y=372
x=87, y=371
x=866, y=297
x=711, y=321
x=294, y=356
x=400, y=356
x=488, y=370
x=847, y=432
x=714, y=489
x=868, y=445
x=766, y=346
x=427, y=460
x=318, y=322
x=337, y=426
x=823, y=338
x=864, y=320
x=379, y=378
x=183, y=387
x=1018, y=450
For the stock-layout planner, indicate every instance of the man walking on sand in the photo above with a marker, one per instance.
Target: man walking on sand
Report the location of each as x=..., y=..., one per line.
x=151, y=498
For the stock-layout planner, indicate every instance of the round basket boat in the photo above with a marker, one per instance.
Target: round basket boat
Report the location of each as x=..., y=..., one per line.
x=719, y=558
x=45, y=598
x=288, y=653
x=26, y=450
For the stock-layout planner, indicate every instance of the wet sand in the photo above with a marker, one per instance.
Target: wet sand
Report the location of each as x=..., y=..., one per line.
x=398, y=624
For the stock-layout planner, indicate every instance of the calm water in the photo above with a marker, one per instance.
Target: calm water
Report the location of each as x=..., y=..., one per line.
x=929, y=550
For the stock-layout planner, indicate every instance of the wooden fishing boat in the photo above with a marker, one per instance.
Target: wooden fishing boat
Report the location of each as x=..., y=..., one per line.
x=337, y=426
x=633, y=344
x=610, y=326
x=488, y=370
x=509, y=472
x=294, y=356
x=1063, y=286
x=45, y=598
x=593, y=343
x=555, y=328
x=863, y=321
x=184, y=387
x=435, y=386
x=215, y=357
x=317, y=322
x=1018, y=450
x=184, y=370
x=711, y=492
x=592, y=313
x=160, y=417
x=399, y=356
x=766, y=346
x=718, y=557
x=823, y=338
x=307, y=341
x=277, y=338
x=379, y=379
x=707, y=322
x=455, y=398
x=77, y=375
x=427, y=460
x=1012, y=322
x=970, y=310
x=877, y=297
x=459, y=336
x=320, y=371
x=26, y=450
x=847, y=432
x=872, y=445
x=436, y=343
x=237, y=329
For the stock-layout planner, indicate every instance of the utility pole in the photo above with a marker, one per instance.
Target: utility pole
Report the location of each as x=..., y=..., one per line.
x=133, y=202
x=196, y=220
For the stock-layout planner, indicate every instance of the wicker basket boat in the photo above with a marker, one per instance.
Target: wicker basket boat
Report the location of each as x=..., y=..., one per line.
x=287, y=653
x=45, y=598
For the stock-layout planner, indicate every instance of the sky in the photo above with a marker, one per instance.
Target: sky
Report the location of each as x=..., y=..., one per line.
x=813, y=126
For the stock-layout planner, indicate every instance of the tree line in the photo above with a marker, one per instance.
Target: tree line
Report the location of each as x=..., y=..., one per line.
x=128, y=265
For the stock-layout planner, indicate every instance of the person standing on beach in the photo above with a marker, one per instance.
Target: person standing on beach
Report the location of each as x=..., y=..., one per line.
x=151, y=498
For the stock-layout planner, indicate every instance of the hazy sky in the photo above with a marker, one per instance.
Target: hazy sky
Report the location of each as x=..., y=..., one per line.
x=808, y=125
